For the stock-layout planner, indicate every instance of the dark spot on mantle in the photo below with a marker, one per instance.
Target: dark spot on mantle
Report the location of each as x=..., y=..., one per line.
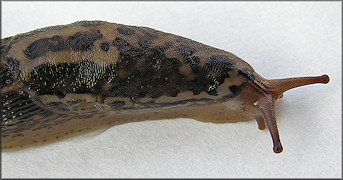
x=105, y=46
x=42, y=46
x=83, y=41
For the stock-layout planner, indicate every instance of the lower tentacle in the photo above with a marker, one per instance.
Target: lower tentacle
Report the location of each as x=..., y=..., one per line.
x=260, y=122
x=267, y=109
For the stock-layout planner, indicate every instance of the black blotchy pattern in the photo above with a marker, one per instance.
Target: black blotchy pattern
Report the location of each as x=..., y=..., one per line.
x=65, y=78
x=140, y=72
x=42, y=46
x=77, y=42
x=150, y=75
x=83, y=41
x=236, y=89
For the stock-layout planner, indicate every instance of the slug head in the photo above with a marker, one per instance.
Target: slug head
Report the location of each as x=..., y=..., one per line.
x=266, y=92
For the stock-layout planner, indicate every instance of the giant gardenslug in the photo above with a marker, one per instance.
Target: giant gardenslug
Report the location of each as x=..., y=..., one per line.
x=69, y=78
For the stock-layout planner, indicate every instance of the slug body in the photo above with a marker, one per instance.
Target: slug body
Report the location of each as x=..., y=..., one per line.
x=62, y=79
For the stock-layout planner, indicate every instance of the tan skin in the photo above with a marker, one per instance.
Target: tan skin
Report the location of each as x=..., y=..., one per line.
x=103, y=45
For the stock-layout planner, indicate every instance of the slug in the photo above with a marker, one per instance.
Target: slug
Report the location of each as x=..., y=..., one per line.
x=71, y=78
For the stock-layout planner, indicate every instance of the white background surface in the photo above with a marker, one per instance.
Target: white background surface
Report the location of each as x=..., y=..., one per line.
x=278, y=39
